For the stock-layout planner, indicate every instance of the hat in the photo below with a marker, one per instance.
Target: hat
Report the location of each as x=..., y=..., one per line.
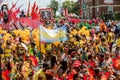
x=76, y=63
x=49, y=72
x=74, y=58
x=24, y=46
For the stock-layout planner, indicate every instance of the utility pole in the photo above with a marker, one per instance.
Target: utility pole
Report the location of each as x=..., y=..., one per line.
x=60, y=8
x=83, y=9
x=93, y=10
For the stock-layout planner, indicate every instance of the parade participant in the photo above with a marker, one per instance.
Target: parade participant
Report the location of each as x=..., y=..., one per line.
x=1, y=50
x=92, y=52
x=4, y=9
x=22, y=14
x=33, y=49
x=40, y=75
x=61, y=72
x=49, y=75
x=103, y=27
x=15, y=74
x=111, y=38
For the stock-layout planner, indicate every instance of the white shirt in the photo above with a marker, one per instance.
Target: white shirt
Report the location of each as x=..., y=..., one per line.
x=97, y=28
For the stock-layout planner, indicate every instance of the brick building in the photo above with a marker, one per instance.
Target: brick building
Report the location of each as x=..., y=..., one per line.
x=99, y=8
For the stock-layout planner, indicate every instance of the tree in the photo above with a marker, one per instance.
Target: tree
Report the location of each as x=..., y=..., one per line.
x=76, y=8
x=69, y=5
x=73, y=7
x=54, y=5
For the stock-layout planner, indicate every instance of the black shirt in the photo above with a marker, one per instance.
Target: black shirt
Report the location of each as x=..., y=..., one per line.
x=1, y=50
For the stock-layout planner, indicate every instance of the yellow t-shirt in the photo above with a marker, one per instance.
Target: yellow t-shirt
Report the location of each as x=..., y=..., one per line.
x=118, y=42
x=38, y=74
x=8, y=51
x=5, y=55
x=110, y=37
x=97, y=48
x=87, y=33
x=49, y=47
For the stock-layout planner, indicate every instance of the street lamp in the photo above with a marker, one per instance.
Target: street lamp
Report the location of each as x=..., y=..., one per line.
x=60, y=8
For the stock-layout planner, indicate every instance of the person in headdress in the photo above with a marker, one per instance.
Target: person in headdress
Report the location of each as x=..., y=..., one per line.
x=27, y=71
x=4, y=9
x=41, y=74
x=21, y=52
x=15, y=73
x=61, y=72
x=49, y=74
x=8, y=52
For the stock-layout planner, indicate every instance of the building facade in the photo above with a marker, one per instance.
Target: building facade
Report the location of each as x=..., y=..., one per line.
x=99, y=8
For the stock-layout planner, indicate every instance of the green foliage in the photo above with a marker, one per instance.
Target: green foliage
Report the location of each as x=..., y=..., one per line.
x=112, y=16
x=69, y=5
x=54, y=5
x=73, y=7
x=117, y=16
x=76, y=8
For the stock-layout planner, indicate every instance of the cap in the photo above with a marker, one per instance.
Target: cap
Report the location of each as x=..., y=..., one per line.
x=49, y=72
x=76, y=63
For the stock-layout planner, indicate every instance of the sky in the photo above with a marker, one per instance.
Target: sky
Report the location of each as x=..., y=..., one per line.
x=24, y=3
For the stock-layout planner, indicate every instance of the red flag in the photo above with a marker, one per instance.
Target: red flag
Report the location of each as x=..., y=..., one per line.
x=34, y=6
x=33, y=13
x=36, y=10
x=28, y=9
x=13, y=6
x=13, y=15
x=30, y=22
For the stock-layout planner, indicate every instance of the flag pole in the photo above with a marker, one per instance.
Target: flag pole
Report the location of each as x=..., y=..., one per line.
x=28, y=8
x=40, y=50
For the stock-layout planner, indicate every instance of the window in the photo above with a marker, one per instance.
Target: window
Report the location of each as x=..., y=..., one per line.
x=97, y=9
x=110, y=9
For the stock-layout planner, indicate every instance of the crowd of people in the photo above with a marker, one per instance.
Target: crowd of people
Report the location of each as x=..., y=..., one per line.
x=91, y=53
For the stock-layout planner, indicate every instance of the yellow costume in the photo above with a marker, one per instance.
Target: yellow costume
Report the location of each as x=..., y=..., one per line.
x=38, y=74
x=110, y=37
